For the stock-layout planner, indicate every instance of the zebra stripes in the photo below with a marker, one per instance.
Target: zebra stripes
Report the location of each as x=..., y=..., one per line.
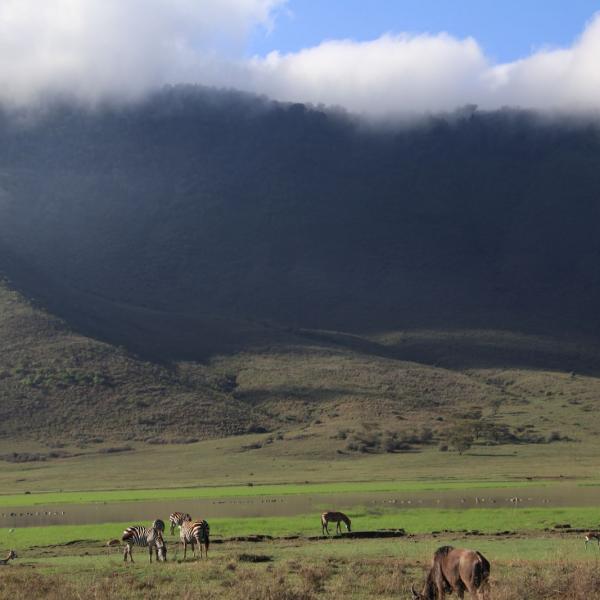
x=195, y=532
x=146, y=537
x=177, y=518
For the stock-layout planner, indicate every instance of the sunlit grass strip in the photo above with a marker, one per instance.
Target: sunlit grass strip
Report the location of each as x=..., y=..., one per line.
x=83, y=497
x=419, y=520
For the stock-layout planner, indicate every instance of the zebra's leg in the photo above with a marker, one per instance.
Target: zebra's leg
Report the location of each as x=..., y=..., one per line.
x=184, y=549
x=125, y=552
x=150, y=552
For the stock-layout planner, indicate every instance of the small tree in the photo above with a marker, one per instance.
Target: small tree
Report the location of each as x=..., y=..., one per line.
x=461, y=441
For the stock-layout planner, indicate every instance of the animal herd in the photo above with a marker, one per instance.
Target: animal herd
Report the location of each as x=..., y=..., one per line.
x=192, y=532
x=453, y=570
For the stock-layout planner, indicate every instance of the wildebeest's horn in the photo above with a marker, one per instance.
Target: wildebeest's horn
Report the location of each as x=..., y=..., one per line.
x=412, y=589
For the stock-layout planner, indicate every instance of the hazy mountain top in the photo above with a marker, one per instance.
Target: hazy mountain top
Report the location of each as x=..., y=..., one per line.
x=225, y=209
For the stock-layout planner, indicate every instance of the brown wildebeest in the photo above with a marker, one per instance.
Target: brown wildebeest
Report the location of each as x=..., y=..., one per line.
x=456, y=570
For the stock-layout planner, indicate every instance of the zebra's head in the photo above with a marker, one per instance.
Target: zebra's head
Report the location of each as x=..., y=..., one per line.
x=159, y=524
x=161, y=548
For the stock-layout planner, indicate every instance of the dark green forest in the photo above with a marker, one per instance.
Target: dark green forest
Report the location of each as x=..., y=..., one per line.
x=198, y=220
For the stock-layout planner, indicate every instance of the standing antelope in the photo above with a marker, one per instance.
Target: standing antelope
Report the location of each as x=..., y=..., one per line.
x=194, y=532
x=150, y=538
x=10, y=556
x=592, y=535
x=177, y=518
x=334, y=517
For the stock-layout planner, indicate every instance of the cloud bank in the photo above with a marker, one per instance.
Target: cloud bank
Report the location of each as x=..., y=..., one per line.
x=96, y=49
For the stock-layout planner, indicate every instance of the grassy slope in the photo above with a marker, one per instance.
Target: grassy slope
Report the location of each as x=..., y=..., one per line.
x=62, y=388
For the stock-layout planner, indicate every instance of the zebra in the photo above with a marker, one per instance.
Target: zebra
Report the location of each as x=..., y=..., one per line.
x=160, y=525
x=149, y=537
x=334, y=517
x=194, y=532
x=177, y=518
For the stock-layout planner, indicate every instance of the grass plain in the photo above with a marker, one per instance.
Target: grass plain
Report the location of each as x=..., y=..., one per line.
x=277, y=420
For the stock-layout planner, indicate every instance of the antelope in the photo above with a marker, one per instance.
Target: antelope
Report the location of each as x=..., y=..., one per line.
x=456, y=570
x=10, y=556
x=592, y=535
x=334, y=517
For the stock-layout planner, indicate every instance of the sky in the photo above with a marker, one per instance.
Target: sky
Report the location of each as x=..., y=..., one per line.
x=378, y=58
x=506, y=29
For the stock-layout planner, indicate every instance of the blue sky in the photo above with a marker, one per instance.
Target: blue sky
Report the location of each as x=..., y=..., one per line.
x=505, y=29
x=376, y=57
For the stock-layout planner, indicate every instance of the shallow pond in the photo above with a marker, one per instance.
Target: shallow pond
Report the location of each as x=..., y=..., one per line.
x=556, y=495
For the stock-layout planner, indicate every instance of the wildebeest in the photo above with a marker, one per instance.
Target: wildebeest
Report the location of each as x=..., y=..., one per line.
x=456, y=570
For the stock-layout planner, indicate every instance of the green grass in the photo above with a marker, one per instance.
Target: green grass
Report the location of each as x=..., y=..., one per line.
x=83, y=497
x=414, y=521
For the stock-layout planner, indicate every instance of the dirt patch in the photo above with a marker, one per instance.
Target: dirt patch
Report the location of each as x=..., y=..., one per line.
x=254, y=558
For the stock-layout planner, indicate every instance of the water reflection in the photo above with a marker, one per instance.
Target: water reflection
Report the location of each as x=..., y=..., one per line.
x=290, y=505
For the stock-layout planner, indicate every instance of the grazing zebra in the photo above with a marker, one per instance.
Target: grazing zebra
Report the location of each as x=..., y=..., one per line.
x=159, y=524
x=194, y=532
x=592, y=535
x=10, y=556
x=149, y=537
x=177, y=518
x=334, y=517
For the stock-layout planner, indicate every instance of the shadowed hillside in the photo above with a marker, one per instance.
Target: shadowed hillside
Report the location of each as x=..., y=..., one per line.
x=208, y=263
x=230, y=209
x=60, y=386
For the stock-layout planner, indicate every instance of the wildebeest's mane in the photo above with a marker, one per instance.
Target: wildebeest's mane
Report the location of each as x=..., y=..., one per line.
x=443, y=551
x=435, y=576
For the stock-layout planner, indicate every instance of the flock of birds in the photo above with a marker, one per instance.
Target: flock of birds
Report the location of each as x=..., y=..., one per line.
x=43, y=513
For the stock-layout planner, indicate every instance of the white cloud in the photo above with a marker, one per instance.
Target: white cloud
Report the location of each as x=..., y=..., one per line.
x=405, y=73
x=99, y=48
x=392, y=73
x=94, y=48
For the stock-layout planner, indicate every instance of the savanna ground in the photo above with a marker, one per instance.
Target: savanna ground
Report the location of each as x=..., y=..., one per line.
x=401, y=413
x=531, y=558
x=57, y=563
